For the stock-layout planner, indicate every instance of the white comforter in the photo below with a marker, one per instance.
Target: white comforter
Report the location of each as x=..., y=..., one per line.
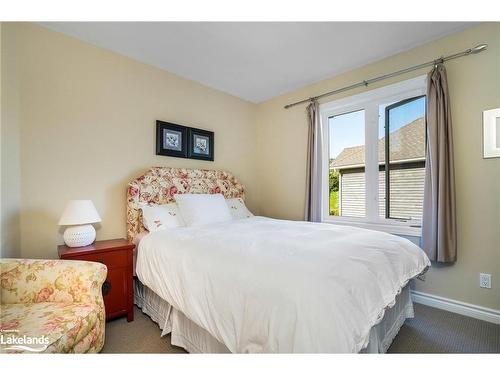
x=265, y=285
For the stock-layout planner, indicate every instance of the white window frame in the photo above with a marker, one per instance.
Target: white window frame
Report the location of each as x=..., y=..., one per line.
x=369, y=102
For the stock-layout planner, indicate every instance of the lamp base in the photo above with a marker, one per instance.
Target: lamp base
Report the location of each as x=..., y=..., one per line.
x=79, y=235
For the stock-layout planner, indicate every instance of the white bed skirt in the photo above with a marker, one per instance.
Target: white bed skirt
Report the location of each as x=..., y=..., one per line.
x=194, y=339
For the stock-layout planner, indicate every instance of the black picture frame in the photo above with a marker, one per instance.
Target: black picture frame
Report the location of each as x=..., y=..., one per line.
x=200, y=137
x=178, y=150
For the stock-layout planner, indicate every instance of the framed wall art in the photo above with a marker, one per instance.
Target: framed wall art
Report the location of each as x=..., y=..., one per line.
x=200, y=144
x=491, y=133
x=184, y=142
x=171, y=139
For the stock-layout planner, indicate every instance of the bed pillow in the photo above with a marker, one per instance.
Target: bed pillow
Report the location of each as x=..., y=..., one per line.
x=238, y=209
x=157, y=217
x=200, y=209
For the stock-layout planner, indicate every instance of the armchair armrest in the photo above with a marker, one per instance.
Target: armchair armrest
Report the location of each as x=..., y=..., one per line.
x=33, y=281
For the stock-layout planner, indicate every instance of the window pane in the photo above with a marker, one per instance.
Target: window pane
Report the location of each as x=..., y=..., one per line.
x=406, y=127
x=347, y=164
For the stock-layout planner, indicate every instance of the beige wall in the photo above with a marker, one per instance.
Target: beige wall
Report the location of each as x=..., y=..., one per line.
x=10, y=184
x=87, y=127
x=1, y=211
x=474, y=83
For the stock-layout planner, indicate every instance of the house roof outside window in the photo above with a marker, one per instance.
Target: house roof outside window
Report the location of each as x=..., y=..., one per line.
x=407, y=145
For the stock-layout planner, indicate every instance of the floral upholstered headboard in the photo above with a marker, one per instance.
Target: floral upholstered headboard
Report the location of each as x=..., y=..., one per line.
x=159, y=184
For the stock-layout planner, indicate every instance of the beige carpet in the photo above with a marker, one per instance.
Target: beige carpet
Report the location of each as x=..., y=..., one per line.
x=140, y=336
x=438, y=331
x=431, y=331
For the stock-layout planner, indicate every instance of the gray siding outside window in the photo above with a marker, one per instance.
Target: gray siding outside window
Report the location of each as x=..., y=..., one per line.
x=352, y=194
x=407, y=193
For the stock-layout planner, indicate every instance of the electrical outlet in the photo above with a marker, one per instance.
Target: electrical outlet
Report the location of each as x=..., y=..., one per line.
x=485, y=280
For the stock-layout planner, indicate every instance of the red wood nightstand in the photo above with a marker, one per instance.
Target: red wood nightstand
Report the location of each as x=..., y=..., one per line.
x=117, y=290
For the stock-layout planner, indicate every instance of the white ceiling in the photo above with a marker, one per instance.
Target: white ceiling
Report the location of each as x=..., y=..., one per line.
x=255, y=60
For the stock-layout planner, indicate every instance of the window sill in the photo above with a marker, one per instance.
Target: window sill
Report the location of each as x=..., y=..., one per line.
x=404, y=230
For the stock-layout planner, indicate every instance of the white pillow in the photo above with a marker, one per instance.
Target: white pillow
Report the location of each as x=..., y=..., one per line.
x=199, y=209
x=157, y=217
x=238, y=209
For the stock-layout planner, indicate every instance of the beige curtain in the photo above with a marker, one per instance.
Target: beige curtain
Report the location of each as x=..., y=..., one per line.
x=314, y=164
x=439, y=228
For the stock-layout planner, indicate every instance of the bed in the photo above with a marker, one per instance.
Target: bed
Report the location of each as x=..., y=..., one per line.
x=265, y=285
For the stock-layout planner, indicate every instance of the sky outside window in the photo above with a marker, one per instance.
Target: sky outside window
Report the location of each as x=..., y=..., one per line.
x=401, y=116
x=348, y=130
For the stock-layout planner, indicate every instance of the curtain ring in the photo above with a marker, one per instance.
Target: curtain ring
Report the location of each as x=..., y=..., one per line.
x=437, y=62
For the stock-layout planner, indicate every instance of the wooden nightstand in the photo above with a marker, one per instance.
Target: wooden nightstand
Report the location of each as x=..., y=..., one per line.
x=117, y=290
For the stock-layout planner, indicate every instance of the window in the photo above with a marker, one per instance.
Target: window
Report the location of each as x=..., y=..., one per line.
x=347, y=147
x=376, y=158
x=402, y=154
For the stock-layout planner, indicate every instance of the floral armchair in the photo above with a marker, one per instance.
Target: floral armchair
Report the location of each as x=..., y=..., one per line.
x=51, y=306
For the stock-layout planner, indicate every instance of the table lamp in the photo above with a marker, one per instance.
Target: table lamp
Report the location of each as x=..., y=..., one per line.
x=78, y=216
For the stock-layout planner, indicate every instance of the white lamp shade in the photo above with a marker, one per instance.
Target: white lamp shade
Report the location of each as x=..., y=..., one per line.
x=79, y=212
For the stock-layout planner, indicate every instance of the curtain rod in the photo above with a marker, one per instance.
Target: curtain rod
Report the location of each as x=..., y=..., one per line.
x=470, y=51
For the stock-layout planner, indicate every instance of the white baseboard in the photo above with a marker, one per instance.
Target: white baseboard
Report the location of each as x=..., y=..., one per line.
x=458, y=307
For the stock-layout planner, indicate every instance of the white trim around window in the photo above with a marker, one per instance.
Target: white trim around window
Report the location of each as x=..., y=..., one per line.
x=369, y=101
